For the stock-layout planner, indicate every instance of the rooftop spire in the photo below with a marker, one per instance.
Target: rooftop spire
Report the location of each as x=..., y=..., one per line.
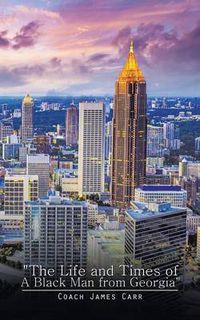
x=131, y=70
x=28, y=99
x=131, y=46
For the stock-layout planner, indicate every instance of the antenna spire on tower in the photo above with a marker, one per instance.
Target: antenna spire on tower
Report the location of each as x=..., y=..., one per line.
x=131, y=46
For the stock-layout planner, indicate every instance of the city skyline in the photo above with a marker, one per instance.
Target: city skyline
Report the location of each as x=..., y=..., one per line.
x=80, y=46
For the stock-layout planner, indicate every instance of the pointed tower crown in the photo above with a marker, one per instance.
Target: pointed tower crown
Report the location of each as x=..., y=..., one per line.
x=131, y=70
x=27, y=100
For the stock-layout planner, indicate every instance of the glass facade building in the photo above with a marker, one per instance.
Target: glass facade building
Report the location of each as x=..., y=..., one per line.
x=129, y=133
x=155, y=236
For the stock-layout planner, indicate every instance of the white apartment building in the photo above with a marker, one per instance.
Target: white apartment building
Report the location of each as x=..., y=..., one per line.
x=56, y=233
x=91, y=148
x=162, y=193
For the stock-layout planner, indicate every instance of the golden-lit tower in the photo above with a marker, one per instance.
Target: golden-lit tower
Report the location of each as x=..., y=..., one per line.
x=129, y=132
x=27, y=118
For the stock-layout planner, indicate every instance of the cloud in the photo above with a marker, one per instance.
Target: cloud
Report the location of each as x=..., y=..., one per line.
x=38, y=12
x=27, y=35
x=11, y=78
x=55, y=62
x=97, y=57
x=157, y=47
x=122, y=40
x=21, y=75
x=4, y=42
x=34, y=70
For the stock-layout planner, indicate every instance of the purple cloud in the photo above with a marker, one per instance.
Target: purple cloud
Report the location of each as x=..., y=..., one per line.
x=27, y=35
x=55, y=62
x=36, y=70
x=157, y=47
x=11, y=78
x=4, y=42
x=97, y=57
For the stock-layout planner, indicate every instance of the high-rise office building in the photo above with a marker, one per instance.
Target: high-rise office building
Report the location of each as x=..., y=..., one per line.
x=129, y=132
x=197, y=145
x=72, y=125
x=42, y=144
x=198, y=243
x=155, y=142
x=192, y=223
x=56, y=233
x=91, y=148
x=38, y=164
x=108, y=152
x=6, y=130
x=190, y=184
x=188, y=168
x=183, y=172
x=162, y=193
x=171, y=136
x=10, y=151
x=155, y=236
x=19, y=188
x=157, y=179
x=23, y=151
x=27, y=118
x=108, y=140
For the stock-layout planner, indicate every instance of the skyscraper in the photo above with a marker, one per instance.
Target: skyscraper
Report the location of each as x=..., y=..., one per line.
x=19, y=188
x=91, y=148
x=6, y=130
x=129, y=132
x=155, y=142
x=155, y=236
x=72, y=125
x=27, y=118
x=197, y=145
x=108, y=139
x=56, y=233
x=42, y=143
x=38, y=164
x=198, y=243
x=171, y=136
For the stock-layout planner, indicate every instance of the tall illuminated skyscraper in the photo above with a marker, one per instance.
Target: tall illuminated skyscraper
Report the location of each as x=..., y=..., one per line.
x=27, y=118
x=129, y=132
x=72, y=125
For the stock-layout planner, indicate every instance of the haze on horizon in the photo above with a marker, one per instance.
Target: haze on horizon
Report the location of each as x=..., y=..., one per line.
x=77, y=47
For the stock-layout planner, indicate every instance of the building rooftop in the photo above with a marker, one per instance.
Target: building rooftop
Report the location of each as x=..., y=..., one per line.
x=56, y=200
x=38, y=158
x=153, y=210
x=111, y=241
x=160, y=188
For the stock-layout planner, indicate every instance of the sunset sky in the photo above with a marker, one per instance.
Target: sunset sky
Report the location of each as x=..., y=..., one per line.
x=75, y=47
